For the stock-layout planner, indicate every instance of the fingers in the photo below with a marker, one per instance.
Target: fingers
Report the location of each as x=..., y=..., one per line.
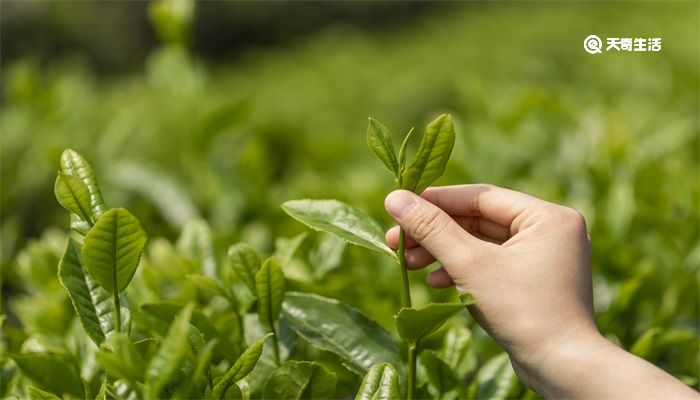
x=479, y=227
x=440, y=279
x=430, y=226
x=492, y=203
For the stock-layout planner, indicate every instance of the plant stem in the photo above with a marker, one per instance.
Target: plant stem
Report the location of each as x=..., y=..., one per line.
x=117, y=312
x=275, y=346
x=406, y=295
x=411, y=377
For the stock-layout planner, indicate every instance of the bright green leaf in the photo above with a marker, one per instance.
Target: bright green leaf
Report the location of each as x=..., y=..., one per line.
x=73, y=195
x=270, y=286
x=413, y=324
x=196, y=376
x=75, y=165
x=38, y=394
x=300, y=380
x=340, y=219
x=496, y=379
x=245, y=263
x=336, y=327
x=430, y=159
x=441, y=377
x=379, y=141
x=57, y=373
x=402, y=151
x=327, y=256
x=112, y=249
x=242, y=367
x=285, y=248
x=458, y=350
x=120, y=358
x=171, y=354
x=380, y=383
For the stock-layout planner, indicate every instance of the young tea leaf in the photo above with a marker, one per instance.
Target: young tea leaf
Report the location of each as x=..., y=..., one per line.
x=120, y=359
x=441, y=377
x=344, y=330
x=72, y=277
x=75, y=165
x=458, y=351
x=270, y=286
x=112, y=249
x=402, y=151
x=380, y=383
x=51, y=371
x=38, y=394
x=379, y=141
x=496, y=379
x=285, y=248
x=430, y=159
x=245, y=263
x=171, y=354
x=242, y=367
x=340, y=219
x=413, y=324
x=300, y=380
x=73, y=195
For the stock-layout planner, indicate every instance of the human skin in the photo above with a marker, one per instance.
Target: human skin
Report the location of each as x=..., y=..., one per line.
x=527, y=263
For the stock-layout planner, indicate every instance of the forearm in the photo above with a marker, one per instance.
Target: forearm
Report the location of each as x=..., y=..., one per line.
x=593, y=367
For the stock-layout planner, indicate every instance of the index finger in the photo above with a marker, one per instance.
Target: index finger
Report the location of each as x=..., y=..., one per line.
x=502, y=206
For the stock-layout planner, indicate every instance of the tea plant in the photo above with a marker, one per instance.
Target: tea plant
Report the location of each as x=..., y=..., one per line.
x=351, y=224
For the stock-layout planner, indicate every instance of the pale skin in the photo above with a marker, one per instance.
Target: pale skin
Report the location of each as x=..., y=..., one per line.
x=527, y=263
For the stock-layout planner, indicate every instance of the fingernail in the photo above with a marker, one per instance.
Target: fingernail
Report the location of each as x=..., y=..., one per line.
x=399, y=202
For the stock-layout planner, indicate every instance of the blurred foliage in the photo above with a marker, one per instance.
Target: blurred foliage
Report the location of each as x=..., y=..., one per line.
x=613, y=135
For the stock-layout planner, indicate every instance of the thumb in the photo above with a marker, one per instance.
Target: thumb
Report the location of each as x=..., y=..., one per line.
x=434, y=229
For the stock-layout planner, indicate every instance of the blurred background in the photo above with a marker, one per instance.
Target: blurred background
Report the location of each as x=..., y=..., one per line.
x=218, y=112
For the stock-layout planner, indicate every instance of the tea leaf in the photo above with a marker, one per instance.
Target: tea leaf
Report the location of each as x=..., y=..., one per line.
x=379, y=141
x=496, y=379
x=270, y=286
x=300, y=380
x=340, y=219
x=285, y=248
x=336, y=327
x=123, y=360
x=245, y=263
x=458, y=351
x=171, y=354
x=380, y=383
x=75, y=165
x=428, y=164
x=413, y=324
x=73, y=195
x=112, y=249
x=402, y=151
x=38, y=394
x=51, y=371
x=243, y=366
x=441, y=377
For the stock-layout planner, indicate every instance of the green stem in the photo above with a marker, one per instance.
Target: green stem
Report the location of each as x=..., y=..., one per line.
x=275, y=346
x=406, y=295
x=411, y=377
x=117, y=312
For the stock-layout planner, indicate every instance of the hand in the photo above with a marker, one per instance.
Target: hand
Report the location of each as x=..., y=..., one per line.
x=527, y=264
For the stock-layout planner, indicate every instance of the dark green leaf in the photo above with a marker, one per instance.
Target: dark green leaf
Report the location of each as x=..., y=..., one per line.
x=430, y=159
x=171, y=354
x=441, y=377
x=336, y=327
x=340, y=219
x=270, y=286
x=379, y=141
x=245, y=263
x=73, y=195
x=196, y=375
x=74, y=164
x=166, y=311
x=241, y=368
x=38, y=394
x=72, y=277
x=112, y=249
x=57, y=373
x=380, y=383
x=413, y=324
x=496, y=379
x=300, y=380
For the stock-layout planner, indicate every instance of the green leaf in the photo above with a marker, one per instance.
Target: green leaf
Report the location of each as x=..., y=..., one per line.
x=196, y=375
x=120, y=358
x=243, y=366
x=167, y=311
x=327, y=256
x=441, y=377
x=72, y=277
x=402, y=151
x=171, y=354
x=644, y=344
x=112, y=249
x=73, y=195
x=336, y=327
x=75, y=165
x=245, y=263
x=458, y=350
x=340, y=219
x=38, y=394
x=379, y=141
x=270, y=286
x=285, y=248
x=380, y=383
x=300, y=380
x=57, y=373
x=413, y=324
x=496, y=379
x=430, y=159
x=195, y=241
x=210, y=287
